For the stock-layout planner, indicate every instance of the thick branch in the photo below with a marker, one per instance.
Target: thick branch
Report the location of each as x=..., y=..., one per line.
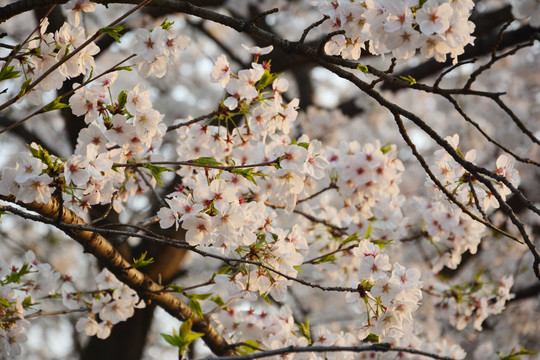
x=102, y=249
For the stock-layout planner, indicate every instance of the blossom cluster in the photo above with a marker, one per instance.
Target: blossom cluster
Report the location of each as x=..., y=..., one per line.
x=388, y=294
x=270, y=330
x=24, y=287
x=157, y=48
x=21, y=288
x=113, y=303
x=451, y=230
x=45, y=50
x=367, y=181
x=473, y=301
x=121, y=131
x=436, y=27
x=118, y=131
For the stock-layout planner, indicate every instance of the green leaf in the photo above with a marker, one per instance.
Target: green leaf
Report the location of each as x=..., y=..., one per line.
x=350, y=238
x=113, y=31
x=2, y=213
x=16, y=276
x=171, y=339
x=166, y=25
x=127, y=68
x=305, y=145
x=266, y=298
x=200, y=296
x=176, y=288
x=266, y=79
x=27, y=302
x=7, y=72
x=381, y=243
x=368, y=232
x=184, y=338
x=122, y=99
x=157, y=172
x=142, y=261
x=515, y=355
x=217, y=300
x=363, y=68
x=206, y=161
x=42, y=155
x=324, y=259
x=478, y=275
x=373, y=338
x=249, y=347
x=4, y=303
x=25, y=86
x=386, y=148
x=226, y=268
x=305, y=330
x=408, y=78
x=248, y=174
x=55, y=105
x=195, y=306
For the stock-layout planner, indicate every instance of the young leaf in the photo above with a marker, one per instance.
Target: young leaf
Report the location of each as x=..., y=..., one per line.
x=142, y=261
x=55, y=105
x=408, y=78
x=157, y=172
x=266, y=79
x=362, y=68
x=206, y=161
x=351, y=238
x=515, y=355
x=368, y=232
x=305, y=145
x=176, y=288
x=305, y=330
x=217, y=300
x=381, y=243
x=166, y=25
x=7, y=72
x=195, y=306
x=2, y=213
x=113, y=31
x=127, y=68
x=250, y=347
x=248, y=174
x=386, y=148
x=25, y=86
x=327, y=258
x=122, y=99
x=184, y=338
x=373, y=338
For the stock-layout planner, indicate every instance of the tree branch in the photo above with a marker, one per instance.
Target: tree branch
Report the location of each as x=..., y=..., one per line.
x=147, y=289
x=382, y=347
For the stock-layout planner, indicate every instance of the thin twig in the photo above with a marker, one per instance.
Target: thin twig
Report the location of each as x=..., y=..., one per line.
x=327, y=38
x=43, y=108
x=96, y=35
x=311, y=27
x=192, y=163
x=193, y=121
x=485, y=134
x=452, y=68
x=382, y=347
